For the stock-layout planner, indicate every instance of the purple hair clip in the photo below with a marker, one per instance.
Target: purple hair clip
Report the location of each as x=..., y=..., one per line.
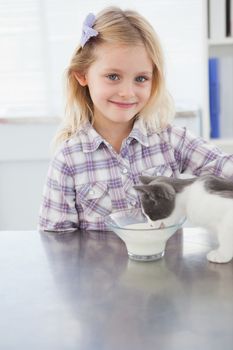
x=88, y=31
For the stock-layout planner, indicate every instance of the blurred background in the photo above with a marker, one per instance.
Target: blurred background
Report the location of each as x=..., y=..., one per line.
x=37, y=39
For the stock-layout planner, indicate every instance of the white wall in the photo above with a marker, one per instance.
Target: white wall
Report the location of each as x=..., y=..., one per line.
x=20, y=193
x=24, y=159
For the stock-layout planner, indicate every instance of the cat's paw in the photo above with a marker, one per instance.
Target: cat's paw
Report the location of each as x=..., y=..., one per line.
x=217, y=256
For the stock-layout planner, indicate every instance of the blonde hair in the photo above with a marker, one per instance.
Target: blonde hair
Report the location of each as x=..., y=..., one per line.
x=116, y=26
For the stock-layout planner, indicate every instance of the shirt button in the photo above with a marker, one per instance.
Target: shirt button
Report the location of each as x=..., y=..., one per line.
x=91, y=192
x=158, y=173
x=128, y=142
x=133, y=203
x=124, y=171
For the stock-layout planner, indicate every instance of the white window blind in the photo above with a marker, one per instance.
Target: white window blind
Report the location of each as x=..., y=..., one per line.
x=38, y=37
x=23, y=80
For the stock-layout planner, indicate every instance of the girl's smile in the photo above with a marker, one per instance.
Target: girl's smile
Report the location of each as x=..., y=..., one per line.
x=123, y=105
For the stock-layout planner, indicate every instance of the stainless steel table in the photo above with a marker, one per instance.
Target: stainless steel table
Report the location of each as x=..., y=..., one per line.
x=80, y=291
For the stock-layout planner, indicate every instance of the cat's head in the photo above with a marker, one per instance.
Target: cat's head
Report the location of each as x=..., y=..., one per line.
x=157, y=197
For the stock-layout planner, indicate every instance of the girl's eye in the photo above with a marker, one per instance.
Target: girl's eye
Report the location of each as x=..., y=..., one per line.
x=141, y=79
x=113, y=77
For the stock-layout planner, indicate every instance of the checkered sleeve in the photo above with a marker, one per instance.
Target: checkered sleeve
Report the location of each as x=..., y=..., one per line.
x=198, y=157
x=58, y=211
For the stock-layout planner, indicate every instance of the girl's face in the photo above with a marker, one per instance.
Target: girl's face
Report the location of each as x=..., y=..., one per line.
x=119, y=82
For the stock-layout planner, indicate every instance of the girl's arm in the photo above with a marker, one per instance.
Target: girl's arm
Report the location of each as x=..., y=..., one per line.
x=198, y=157
x=58, y=211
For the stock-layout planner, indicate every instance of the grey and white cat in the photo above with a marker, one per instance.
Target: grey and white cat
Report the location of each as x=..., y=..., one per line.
x=206, y=201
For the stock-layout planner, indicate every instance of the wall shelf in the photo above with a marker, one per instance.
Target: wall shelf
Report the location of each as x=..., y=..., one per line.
x=223, y=42
x=221, y=49
x=223, y=141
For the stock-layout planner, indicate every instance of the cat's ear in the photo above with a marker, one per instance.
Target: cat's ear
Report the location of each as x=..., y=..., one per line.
x=163, y=190
x=141, y=188
x=146, y=179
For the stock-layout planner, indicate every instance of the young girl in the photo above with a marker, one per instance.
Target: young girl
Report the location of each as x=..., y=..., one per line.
x=117, y=126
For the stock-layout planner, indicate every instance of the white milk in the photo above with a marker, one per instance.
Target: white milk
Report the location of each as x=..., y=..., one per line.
x=144, y=241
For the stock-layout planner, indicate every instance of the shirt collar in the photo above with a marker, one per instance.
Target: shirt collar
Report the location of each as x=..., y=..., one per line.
x=91, y=140
x=139, y=132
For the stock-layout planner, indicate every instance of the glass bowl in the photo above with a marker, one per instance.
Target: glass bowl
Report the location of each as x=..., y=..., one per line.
x=143, y=241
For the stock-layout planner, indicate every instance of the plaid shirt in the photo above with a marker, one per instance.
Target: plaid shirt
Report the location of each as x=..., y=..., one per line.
x=87, y=179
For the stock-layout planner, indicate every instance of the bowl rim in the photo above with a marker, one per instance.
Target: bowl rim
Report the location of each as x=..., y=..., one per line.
x=123, y=228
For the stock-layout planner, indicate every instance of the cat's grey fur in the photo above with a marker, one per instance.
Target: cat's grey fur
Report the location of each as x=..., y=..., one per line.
x=206, y=201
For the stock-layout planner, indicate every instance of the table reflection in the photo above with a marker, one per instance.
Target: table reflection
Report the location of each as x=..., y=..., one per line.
x=116, y=301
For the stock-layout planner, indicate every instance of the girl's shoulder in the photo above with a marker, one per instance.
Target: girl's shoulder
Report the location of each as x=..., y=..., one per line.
x=66, y=147
x=170, y=132
x=68, y=144
x=82, y=141
x=174, y=136
x=179, y=133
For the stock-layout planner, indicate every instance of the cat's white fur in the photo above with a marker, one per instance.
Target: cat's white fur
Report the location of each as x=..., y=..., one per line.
x=209, y=211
